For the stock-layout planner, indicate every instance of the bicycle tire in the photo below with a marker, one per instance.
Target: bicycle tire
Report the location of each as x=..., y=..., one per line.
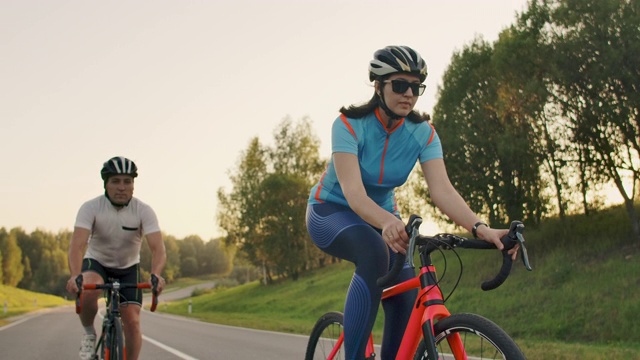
x=114, y=342
x=103, y=341
x=482, y=339
x=324, y=337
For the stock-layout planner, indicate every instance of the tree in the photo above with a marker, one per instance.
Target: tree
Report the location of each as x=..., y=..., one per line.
x=521, y=102
x=12, y=266
x=236, y=212
x=44, y=257
x=487, y=139
x=188, y=250
x=218, y=260
x=189, y=266
x=193, y=256
x=296, y=150
x=33, y=246
x=554, y=102
x=3, y=234
x=263, y=215
x=595, y=70
x=50, y=278
x=296, y=161
x=283, y=246
x=172, y=268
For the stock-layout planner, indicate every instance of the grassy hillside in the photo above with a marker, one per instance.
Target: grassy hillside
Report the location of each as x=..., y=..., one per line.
x=19, y=301
x=581, y=301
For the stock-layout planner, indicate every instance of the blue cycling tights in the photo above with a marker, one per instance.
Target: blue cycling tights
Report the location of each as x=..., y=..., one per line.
x=340, y=232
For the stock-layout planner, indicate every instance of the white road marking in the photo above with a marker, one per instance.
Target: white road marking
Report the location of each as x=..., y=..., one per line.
x=175, y=352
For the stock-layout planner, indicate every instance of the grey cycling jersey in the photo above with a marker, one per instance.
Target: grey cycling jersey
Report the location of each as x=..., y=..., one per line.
x=116, y=233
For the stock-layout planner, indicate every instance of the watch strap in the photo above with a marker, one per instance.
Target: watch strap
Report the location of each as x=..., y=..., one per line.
x=475, y=228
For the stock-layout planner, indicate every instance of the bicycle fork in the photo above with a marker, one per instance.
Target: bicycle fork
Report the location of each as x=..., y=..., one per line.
x=428, y=309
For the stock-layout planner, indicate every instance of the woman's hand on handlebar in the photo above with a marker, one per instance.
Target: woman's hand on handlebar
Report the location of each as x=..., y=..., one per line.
x=395, y=235
x=493, y=236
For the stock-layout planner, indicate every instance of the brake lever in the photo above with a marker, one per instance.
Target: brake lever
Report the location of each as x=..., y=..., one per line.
x=414, y=225
x=154, y=284
x=523, y=254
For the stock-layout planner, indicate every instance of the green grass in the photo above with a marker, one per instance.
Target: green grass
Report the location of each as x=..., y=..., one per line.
x=19, y=301
x=281, y=307
x=581, y=301
x=188, y=281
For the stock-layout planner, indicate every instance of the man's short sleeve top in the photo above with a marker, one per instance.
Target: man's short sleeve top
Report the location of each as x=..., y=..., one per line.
x=386, y=157
x=116, y=233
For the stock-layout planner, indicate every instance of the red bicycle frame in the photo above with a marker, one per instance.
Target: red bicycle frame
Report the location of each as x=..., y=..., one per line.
x=428, y=309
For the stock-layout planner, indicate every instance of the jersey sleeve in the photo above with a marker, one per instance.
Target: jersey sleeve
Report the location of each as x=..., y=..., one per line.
x=343, y=137
x=149, y=220
x=86, y=216
x=432, y=148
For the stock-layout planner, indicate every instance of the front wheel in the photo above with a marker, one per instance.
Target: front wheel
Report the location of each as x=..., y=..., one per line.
x=326, y=340
x=114, y=342
x=481, y=338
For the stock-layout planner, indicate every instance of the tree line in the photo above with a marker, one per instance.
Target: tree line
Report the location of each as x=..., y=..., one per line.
x=533, y=126
x=37, y=261
x=539, y=122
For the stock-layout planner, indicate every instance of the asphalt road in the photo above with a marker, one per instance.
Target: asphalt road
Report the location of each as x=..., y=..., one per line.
x=56, y=333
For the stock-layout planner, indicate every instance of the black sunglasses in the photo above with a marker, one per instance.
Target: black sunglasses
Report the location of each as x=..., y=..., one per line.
x=401, y=86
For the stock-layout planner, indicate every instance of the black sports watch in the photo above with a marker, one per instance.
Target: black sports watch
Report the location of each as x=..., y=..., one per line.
x=475, y=227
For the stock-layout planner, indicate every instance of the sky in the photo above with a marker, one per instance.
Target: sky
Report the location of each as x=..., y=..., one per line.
x=182, y=86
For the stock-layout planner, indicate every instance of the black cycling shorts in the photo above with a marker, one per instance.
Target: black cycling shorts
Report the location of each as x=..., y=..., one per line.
x=130, y=275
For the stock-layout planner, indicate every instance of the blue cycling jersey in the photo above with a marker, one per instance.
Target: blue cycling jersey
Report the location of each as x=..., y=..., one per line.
x=386, y=157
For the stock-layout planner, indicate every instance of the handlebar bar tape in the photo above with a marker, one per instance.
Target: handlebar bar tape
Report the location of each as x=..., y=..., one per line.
x=393, y=273
x=79, y=280
x=509, y=241
x=502, y=275
x=154, y=292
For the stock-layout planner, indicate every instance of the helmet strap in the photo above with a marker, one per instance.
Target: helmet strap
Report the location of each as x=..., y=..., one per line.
x=392, y=116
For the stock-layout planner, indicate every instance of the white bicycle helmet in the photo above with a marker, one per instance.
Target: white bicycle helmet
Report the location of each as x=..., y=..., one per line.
x=397, y=59
x=118, y=165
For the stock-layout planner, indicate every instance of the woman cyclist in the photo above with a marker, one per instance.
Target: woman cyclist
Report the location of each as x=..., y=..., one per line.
x=352, y=213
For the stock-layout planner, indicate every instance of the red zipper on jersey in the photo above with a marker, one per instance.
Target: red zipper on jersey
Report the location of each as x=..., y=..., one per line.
x=384, y=154
x=386, y=142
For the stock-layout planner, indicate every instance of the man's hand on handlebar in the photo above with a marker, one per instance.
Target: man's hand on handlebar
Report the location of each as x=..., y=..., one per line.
x=493, y=236
x=71, y=285
x=157, y=284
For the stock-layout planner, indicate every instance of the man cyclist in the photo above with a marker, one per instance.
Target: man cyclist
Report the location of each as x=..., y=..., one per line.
x=110, y=228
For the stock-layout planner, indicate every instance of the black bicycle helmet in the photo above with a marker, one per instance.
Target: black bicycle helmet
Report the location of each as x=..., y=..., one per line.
x=118, y=165
x=397, y=59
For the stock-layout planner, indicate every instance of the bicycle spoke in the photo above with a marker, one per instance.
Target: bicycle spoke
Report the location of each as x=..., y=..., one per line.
x=475, y=345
